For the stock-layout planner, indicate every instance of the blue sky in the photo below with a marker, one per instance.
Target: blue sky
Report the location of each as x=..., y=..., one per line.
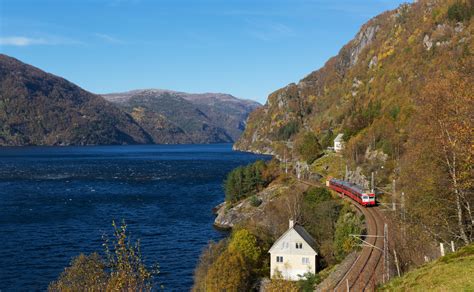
x=247, y=48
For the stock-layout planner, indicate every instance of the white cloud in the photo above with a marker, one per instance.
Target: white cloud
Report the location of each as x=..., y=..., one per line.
x=109, y=38
x=22, y=41
x=267, y=31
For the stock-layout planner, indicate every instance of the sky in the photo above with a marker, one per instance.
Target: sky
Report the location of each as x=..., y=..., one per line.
x=248, y=48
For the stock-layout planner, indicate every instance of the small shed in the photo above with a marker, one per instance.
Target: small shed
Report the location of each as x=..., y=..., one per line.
x=339, y=143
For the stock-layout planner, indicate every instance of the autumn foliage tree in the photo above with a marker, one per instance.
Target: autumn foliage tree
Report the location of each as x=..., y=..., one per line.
x=442, y=145
x=122, y=269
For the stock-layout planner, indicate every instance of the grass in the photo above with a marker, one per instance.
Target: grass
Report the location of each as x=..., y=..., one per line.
x=453, y=272
x=331, y=164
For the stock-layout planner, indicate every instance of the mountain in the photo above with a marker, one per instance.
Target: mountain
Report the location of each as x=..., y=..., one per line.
x=374, y=83
x=402, y=94
x=38, y=108
x=178, y=117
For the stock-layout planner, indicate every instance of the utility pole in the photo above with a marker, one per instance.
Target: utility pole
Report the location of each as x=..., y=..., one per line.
x=402, y=212
x=396, y=262
x=394, y=208
x=372, y=184
x=385, y=254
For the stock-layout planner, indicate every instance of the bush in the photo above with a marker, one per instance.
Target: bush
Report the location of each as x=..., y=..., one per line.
x=228, y=273
x=278, y=285
x=288, y=130
x=315, y=195
x=348, y=223
x=122, y=269
x=460, y=11
x=309, y=282
x=86, y=272
x=308, y=147
x=255, y=201
x=234, y=268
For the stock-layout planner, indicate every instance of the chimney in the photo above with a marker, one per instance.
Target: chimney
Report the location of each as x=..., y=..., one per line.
x=292, y=223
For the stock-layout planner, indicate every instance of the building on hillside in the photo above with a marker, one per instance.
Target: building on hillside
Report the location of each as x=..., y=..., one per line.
x=293, y=254
x=339, y=143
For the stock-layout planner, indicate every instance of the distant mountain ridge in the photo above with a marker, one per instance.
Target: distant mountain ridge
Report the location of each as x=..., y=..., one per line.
x=38, y=108
x=194, y=117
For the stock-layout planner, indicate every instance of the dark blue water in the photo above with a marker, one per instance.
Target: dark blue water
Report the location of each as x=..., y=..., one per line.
x=57, y=202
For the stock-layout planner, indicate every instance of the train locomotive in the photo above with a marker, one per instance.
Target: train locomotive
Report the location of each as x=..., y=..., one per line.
x=352, y=191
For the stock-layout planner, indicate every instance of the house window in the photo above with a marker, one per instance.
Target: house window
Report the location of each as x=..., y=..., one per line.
x=284, y=245
x=299, y=245
x=305, y=261
x=279, y=259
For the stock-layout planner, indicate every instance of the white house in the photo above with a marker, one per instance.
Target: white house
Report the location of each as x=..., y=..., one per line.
x=293, y=254
x=338, y=143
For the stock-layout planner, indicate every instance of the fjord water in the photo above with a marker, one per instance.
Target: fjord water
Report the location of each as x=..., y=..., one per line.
x=56, y=202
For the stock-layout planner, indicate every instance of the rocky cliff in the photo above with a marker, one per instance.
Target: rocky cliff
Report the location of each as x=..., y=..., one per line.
x=370, y=89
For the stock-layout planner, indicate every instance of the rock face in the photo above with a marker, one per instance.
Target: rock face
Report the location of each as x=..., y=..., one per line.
x=178, y=117
x=229, y=217
x=37, y=108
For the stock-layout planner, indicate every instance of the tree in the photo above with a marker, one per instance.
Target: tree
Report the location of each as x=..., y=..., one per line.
x=447, y=124
x=228, y=273
x=308, y=147
x=245, y=243
x=348, y=223
x=123, y=268
x=86, y=272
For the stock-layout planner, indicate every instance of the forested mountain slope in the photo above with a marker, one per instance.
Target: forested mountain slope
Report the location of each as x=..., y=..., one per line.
x=402, y=93
x=38, y=108
x=178, y=117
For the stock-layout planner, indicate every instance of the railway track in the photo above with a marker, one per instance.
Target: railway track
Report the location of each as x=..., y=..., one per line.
x=367, y=270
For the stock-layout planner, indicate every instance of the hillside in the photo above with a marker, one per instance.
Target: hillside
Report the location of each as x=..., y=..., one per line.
x=178, y=117
x=452, y=272
x=369, y=90
x=402, y=93
x=37, y=108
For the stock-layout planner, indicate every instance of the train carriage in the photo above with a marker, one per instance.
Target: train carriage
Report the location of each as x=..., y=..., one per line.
x=353, y=191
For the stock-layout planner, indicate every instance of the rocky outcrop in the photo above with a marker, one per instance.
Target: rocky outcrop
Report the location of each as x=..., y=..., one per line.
x=228, y=217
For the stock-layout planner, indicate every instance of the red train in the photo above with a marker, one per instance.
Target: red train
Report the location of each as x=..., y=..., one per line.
x=353, y=191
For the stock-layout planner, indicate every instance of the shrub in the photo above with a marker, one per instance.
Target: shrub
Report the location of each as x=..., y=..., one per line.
x=315, y=195
x=460, y=11
x=228, y=273
x=255, y=201
x=86, y=272
x=308, y=147
x=309, y=282
x=122, y=269
x=278, y=285
x=245, y=243
x=347, y=223
x=288, y=130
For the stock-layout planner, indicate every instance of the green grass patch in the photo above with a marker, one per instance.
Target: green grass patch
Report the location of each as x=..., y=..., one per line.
x=453, y=272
